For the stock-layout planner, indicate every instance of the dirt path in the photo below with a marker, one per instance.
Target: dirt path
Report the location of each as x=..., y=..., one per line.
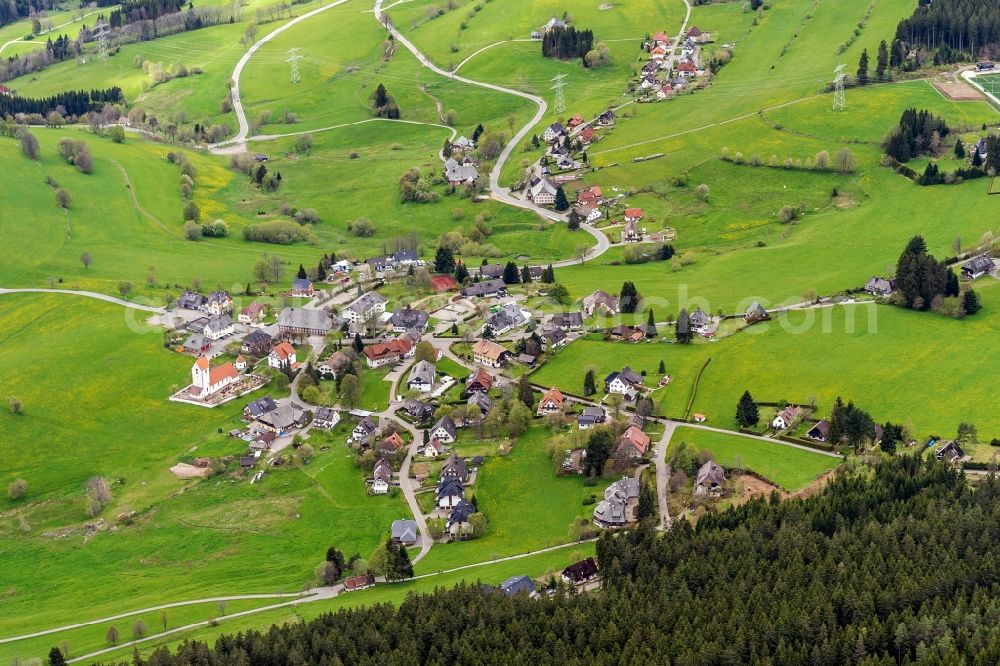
x=88, y=294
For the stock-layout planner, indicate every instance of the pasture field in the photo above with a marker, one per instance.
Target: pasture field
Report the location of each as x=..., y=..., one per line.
x=819, y=355
x=790, y=468
x=541, y=564
x=527, y=506
x=188, y=540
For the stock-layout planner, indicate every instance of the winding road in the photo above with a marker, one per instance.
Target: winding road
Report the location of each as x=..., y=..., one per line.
x=88, y=294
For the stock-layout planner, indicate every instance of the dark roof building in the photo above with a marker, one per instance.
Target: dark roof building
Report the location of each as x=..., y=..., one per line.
x=580, y=572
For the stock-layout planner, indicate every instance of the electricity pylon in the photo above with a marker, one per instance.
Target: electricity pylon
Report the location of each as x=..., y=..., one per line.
x=293, y=60
x=839, y=100
x=560, y=103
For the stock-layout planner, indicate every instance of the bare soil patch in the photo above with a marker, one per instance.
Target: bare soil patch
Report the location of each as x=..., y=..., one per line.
x=958, y=91
x=186, y=471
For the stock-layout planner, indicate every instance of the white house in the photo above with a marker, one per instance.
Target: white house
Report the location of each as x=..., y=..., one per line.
x=218, y=327
x=421, y=377
x=543, y=193
x=281, y=354
x=553, y=132
x=444, y=430
x=365, y=308
x=786, y=418
x=206, y=380
x=219, y=302
x=449, y=493
x=382, y=477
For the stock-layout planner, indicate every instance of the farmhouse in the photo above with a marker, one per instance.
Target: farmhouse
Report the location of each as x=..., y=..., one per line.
x=218, y=303
x=326, y=418
x=626, y=333
x=607, y=118
x=700, y=321
x=386, y=353
x=755, y=313
x=218, y=327
x=464, y=143
x=977, y=267
x=554, y=132
x=408, y=319
x=490, y=271
x=820, y=432
x=580, y=572
x=458, y=520
x=361, y=582
x=365, y=308
x=612, y=511
x=479, y=381
x=444, y=430
x=882, y=287
x=404, y=532
x=633, y=214
x=459, y=174
x=421, y=377
x=518, y=585
x=417, y=410
x=632, y=444
x=485, y=289
x=709, y=479
x=381, y=477
x=192, y=300
x=284, y=419
x=555, y=338
x=450, y=492
x=283, y=354
x=590, y=214
x=207, y=381
x=251, y=314
x=568, y=321
x=455, y=468
x=366, y=428
x=433, y=449
x=626, y=383
x=300, y=321
x=551, y=402
x=950, y=451
x=480, y=401
x=335, y=365
x=590, y=416
x=574, y=121
x=196, y=344
x=600, y=301
x=587, y=135
x=786, y=417
x=631, y=232
x=543, y=192
x=509, y=317
x=489, y=353
x=258, y=408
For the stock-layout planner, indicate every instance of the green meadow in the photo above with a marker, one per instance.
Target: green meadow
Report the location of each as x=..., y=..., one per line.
x=112, y=419
x=790, y=468
x=902, y=366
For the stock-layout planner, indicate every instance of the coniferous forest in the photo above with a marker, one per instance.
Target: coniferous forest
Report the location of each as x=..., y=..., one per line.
x=891, y=564
x=963, y=25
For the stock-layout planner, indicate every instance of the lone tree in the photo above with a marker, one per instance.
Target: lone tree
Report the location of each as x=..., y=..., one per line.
x=970, y=302
x=747, y=413
x=56, y=657
x=139, y=629
x=628, y=298
x=86, y=260
x=444, y=260
x=510, y=273
x=863, y=68
x=598, y=452
x=62, y=198
x=562, y=203
x=17, y=488
x=112, y=635
x=524, y=392
x=588, y=383
x=682, y=327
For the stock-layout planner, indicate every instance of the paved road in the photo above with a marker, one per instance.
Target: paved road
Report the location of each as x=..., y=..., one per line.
x=152, y=609
x=238, y=142
x=88, y=294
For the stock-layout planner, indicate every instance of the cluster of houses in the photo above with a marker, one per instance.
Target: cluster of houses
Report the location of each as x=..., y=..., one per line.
x=450, y=496
x=661, y=77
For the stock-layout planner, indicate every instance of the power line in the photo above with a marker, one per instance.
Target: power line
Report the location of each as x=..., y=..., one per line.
x=293, y=60
x=560, y=104
x=839, y=99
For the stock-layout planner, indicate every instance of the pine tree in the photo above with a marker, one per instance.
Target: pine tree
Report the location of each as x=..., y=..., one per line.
x=321, y=271
x=650, y=324
x=589, y=387
x=682, y=327
x=56, y=657
x=461, y=273
x=574, y=220
x=953, y=287
x=525, y=274
x=628, y=298
x=959, y=149
x=359, y=345
x=863, y=68
x=647, y=504
x=837, y=426
x=970, y=302
x=662, y=368
x=882, y=61
x=301, y=275
x=977, y=159
x=562, y=203
x=747, y=413
x=447, y=149
x=549, y=275
x=524, y=392
x=444, y=260
x=510, y=274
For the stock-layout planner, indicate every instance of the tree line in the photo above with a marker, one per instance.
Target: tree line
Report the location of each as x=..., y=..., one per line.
x=73, y=102
x=567, y=43
x=12, y=10
x=132, y=11
x=961, y=25
x=883, y=566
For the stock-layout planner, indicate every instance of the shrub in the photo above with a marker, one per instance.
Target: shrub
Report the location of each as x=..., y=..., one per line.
x=280, y=232
x=192, y=211
x=216, y=229
x=361, y=227
x=307, y=216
